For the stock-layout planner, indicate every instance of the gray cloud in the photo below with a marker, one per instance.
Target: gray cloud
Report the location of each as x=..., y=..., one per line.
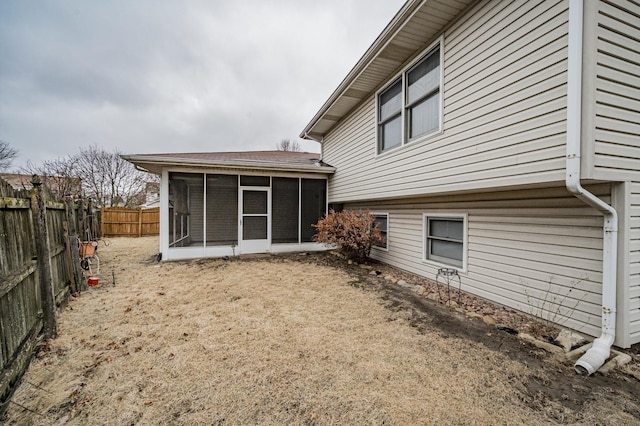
x=163, y=76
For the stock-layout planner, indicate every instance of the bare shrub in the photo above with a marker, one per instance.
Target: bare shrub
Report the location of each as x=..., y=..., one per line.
x=553, y=308
x=354, y=232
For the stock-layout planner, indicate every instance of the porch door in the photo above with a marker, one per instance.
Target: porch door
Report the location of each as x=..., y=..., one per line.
x=254, y=220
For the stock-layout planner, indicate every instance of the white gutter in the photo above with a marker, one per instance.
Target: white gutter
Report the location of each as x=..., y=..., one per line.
x=595, y=357
x=141, y=169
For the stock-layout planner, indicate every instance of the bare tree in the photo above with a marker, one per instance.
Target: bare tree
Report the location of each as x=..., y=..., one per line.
x=94, y=173
x=288, y=145
x=108, y=179
x=60, y=175
x=7, y=155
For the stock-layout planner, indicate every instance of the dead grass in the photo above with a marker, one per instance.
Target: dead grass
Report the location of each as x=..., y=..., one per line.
x=255, y=342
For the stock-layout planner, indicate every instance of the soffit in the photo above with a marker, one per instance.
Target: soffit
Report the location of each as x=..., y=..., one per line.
x=413, y=28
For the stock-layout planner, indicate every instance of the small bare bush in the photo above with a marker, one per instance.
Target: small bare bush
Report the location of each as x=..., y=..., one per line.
x=553, y=308
x=354, y=232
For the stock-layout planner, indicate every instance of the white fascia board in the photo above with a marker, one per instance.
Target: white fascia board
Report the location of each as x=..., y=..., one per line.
x=378, y=45
x=246, y=164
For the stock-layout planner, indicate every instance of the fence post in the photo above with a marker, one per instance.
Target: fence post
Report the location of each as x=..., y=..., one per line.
x=90, y=220
x=101, y=221
x=38, y=207
x=68, y=250
x=139, y=222
x=82, y=220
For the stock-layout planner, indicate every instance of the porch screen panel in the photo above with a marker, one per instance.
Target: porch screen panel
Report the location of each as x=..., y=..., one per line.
x=314, y=205
x=254, y=202
x=196, y=213
x=254, y=228
x=178, y=211
x=254, y=180
x=222, y=210
x=284, y=210
x=186, y=218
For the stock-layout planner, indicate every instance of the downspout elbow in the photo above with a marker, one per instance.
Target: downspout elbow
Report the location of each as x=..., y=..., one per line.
x=596, y=356
x=572, y=179
x=573, y=185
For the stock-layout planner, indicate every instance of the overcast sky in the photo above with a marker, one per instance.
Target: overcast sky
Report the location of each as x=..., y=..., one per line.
x=150, y=76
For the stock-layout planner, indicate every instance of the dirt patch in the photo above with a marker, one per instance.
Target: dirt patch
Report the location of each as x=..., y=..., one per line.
x=551, y=386
x=291, y=340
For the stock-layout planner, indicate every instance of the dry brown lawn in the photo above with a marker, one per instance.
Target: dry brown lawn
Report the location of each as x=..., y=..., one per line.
x=278, y=340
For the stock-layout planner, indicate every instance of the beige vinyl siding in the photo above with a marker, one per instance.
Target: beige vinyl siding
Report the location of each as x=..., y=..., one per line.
x=524, y=247
x=617, y=95
x=634, y=265
x=504, y=112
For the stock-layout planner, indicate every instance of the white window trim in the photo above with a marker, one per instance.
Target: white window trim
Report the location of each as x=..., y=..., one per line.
x=387, y=242
x=401, y=75
x=465, y=238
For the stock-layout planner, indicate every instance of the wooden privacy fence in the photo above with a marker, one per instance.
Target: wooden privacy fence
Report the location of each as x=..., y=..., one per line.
x=125, y=222
x=39, y=268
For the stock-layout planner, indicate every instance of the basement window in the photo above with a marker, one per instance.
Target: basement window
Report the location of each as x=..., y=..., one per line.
x=446, y=239
x=382, y=220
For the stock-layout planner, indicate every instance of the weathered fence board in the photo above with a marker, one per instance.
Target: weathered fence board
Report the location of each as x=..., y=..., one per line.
x=61, y=276
x=35, y=261
x=121, y=222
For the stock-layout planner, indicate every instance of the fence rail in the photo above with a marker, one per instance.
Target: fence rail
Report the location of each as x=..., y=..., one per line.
x=125, y=222
x=39, y=268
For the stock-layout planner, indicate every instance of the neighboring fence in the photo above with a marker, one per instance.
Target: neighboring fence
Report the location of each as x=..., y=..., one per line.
x=39, y=268
x=124, y=222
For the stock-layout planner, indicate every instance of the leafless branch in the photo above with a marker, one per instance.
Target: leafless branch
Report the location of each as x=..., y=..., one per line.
x=288, y=145
x=7, y=155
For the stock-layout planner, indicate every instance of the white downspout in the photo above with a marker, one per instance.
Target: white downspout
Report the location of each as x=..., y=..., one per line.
x=321, y=142
x=593, y=359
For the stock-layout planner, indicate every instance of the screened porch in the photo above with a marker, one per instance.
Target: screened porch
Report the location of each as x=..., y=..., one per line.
x=223, y=214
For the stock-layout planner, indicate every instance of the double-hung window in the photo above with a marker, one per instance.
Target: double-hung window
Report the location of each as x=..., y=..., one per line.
x=423, y=96
x=410, y=107
x=445, y=239
x=390, y=117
